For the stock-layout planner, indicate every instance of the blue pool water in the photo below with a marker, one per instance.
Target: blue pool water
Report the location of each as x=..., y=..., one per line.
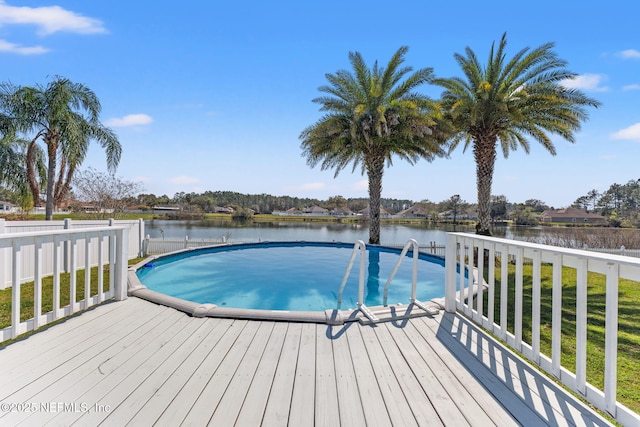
x=289, y=276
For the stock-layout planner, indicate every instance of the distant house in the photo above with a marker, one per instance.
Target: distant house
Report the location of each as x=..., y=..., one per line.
x=221, y=209
x=571, y=215
x=165, y=209
x=6, y=208
x=415, y=211
x=345, y=211
x=317, y=211
x=383, y=212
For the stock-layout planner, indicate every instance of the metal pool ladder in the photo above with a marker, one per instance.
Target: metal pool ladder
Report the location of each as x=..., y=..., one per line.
x=411, y=243
x=360, y=247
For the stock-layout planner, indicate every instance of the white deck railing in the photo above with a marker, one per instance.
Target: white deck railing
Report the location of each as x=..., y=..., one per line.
x=489, y=255
x=107, y=243
x=135, y=245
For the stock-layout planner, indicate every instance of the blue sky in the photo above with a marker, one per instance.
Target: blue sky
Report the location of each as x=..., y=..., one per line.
x=214, y=95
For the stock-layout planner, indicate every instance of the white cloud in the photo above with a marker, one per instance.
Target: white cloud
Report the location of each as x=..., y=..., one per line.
x=130, y=120
x=631, y=133
x=631, y=87
x=630, y=54
x=362, y=185
x=9, y=47
x=312, y=186
x=49, y=19
x=184, y=180
x=588, y=82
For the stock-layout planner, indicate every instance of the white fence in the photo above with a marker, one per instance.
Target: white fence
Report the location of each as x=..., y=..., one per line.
x=107, y=243
x=163, y=246
x=135, y=245
x=487, y=254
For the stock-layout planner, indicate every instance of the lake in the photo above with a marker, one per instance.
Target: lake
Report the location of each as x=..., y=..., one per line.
x=326, y=232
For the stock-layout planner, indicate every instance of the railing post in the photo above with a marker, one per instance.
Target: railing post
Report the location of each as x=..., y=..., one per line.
x=15, y=291
x=122, y=257
x=65, y=254
x=141, y=249
x=611, y=339
x=450, y=264
x=5, y=260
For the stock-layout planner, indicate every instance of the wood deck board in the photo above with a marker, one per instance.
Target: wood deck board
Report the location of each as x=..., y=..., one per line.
x=375, y=410
x=209, y=399
x=163, y=396
x=59, y=380
x=326, y=393
x=276, y=412
x=166, y=368
x=301, y=412
x=253, y=408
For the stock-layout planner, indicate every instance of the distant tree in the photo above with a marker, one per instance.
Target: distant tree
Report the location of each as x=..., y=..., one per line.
x=498, y=207
x=336, y=202
x=105, y=192
x=372, y=115
x=506, y=102
x=592, y=197
x=456, y=205
x=64, y=116
x=581, y=202
x=536, y=205
x=523, y=215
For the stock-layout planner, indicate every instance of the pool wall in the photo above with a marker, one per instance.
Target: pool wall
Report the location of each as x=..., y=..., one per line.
x=331, y=316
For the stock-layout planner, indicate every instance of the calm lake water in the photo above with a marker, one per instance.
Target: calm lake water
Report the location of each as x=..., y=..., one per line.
x=318, y=232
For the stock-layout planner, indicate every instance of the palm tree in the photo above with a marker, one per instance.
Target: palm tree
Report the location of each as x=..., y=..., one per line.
x=64, y=117
x=509, y=102
x=371, y=115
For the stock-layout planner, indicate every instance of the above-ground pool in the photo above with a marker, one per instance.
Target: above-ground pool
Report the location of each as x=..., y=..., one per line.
x=288, y=276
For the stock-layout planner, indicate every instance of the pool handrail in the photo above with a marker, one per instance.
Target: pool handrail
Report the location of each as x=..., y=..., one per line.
x=411, y=244
x=359, y=246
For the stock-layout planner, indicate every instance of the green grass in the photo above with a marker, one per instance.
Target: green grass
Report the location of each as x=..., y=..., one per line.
x=27, y=292
x=628, y=364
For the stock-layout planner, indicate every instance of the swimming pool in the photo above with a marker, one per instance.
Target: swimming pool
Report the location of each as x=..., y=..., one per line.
x=286, y=277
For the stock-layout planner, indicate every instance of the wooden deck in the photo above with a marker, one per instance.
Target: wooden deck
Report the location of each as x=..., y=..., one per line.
x=137, y=363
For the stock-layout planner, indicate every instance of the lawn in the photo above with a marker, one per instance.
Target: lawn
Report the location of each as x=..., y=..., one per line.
x=628, y=325
x=26, y=294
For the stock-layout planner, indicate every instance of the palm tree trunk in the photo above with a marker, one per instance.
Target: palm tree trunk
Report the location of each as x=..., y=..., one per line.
x=34, y=187
x=52, y=150
x=375, y=170
x=484, y=152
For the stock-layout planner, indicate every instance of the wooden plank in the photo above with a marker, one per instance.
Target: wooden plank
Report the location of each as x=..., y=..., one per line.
x=179, y=407
x=301, y=412
x=473, y=401
x=396, y=405
x=253, y=409
x=276, y=412
x=96, y=387
x=209, y=398
x=185, y=337
x=350, y=406
x=49, y=363
x=62, y=331
x=421, y=408
x=196, y=334
x=526, y=400
x=106, y=370
x=374, y=407
x=159, y=399
x=326, y=404
x=234, y=396
x=437, y=394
